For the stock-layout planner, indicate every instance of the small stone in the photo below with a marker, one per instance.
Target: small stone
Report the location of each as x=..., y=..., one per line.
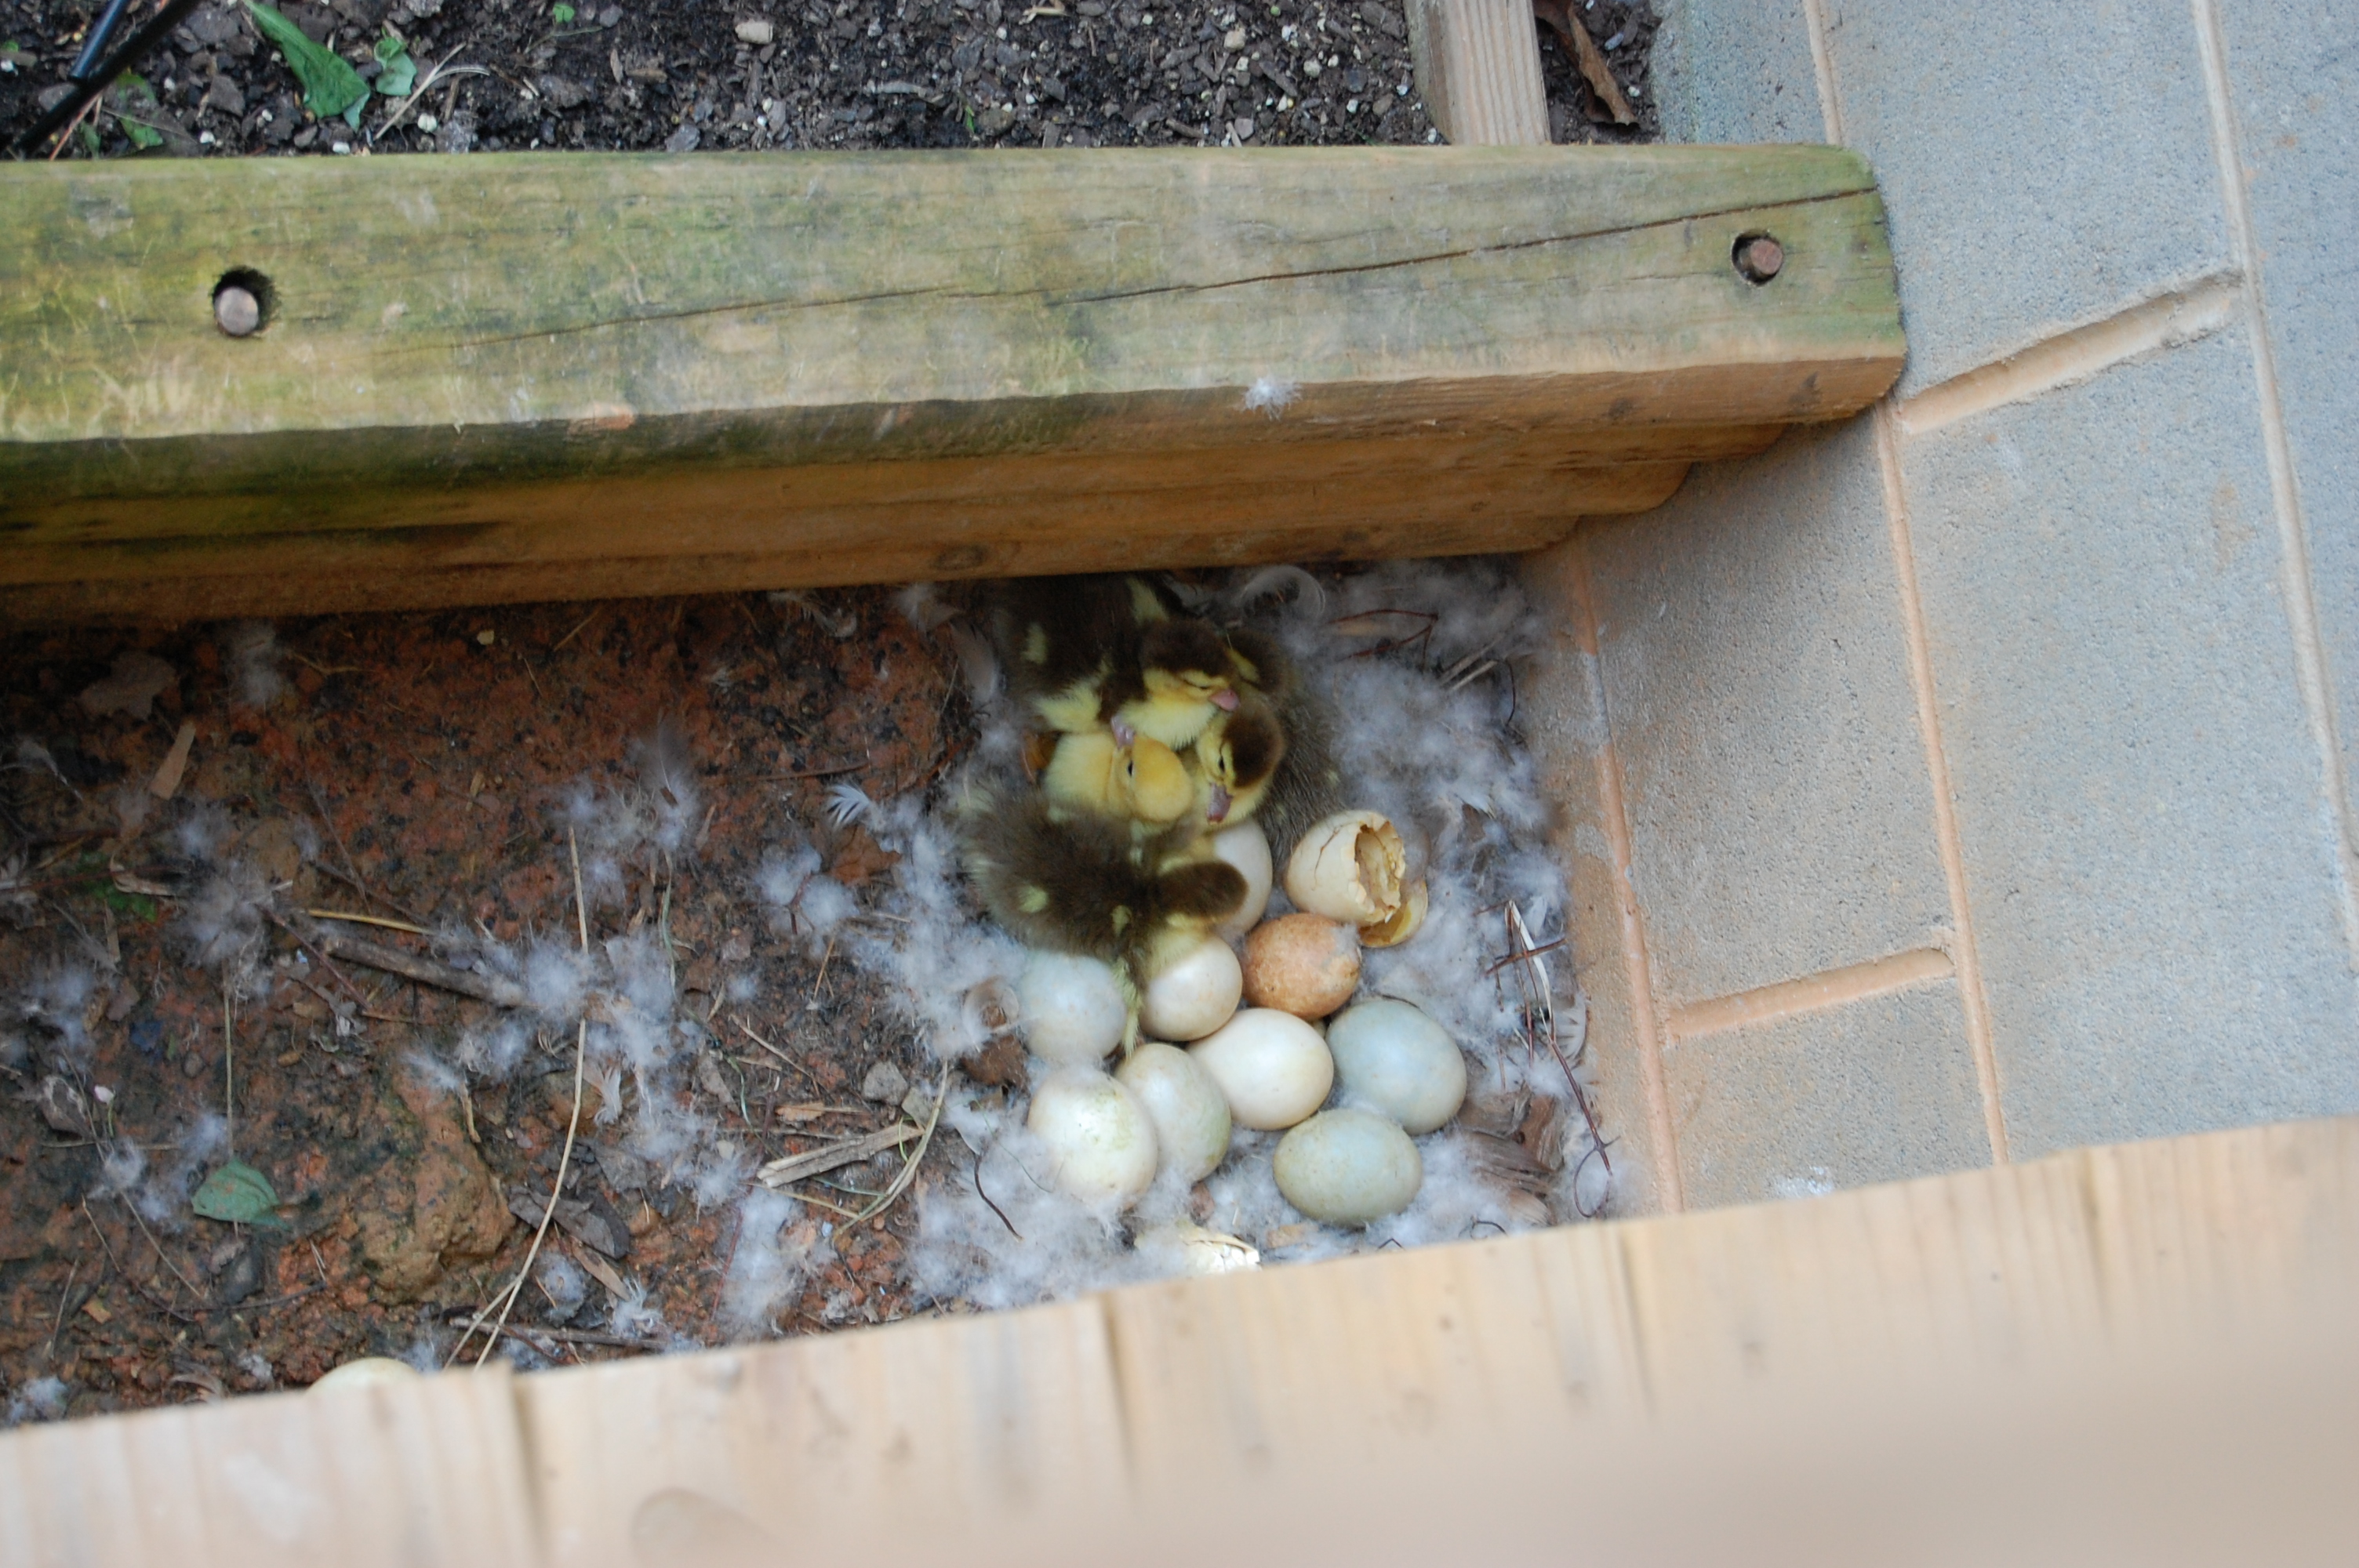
x=886, y=1084
x=756, y=33
x=683, y=140
x=1242, y=127
x=1234, y=39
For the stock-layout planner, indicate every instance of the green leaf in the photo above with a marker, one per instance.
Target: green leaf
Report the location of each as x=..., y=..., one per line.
x=143, y=136
x=399, y=75
x=89, y=135
x=239, y=1194
x=562, y=13
x=133, y=81
x=330, y=86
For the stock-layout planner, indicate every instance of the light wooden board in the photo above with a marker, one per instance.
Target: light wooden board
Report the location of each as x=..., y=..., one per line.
x=369, y=1477
x=512, y=377
x=2143, y=1352
x=1478, y=70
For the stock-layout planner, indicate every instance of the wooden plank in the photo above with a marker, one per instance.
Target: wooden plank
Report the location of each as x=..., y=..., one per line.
x=428, y=1471
x=512, y=377
x=855, y=1446
x=1478, y=69
x=2140, y=1352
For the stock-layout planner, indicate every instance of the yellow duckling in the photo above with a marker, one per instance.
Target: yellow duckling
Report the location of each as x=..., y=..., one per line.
x=1143, y=781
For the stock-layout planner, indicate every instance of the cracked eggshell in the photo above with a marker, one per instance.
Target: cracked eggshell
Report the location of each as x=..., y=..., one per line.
x=1303, y=964
x=1403, y=923
x=1102, y=1139
x=1246, y=848
x=1351, y=867
x=1073, y=1011
x=1348, y=1167
x=1189, y=1113
x=1272, y=1067
x=1395, y=1060
x=1195, y=994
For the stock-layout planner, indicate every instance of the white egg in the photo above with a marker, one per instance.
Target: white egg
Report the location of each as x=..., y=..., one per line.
x=1348, y=1167
x=1395, y=1060
x=1246, y=848
x=1098, y=1133
x=1190, y=1114
x=368, y=1371
x=1272, y=1067
x=1073, y=1009
x=1194, y=995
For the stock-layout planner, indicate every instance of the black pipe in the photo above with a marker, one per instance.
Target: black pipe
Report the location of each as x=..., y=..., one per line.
x=120, y=60
x=85, y=64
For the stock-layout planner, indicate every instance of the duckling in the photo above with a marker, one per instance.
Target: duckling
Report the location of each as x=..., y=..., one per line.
x=1083, y=652
x=1235, y=760
x=1143, y=781
x=1075, y=883
x=1303, y=783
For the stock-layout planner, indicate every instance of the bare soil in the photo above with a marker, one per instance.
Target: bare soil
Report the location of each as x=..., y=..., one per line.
x=688, y=74
x=415, y=768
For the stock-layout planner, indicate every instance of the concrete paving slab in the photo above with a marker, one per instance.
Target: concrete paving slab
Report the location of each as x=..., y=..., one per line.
x=2145, y=826
x=2045, y=166
x=2293, y=74
x=1872, y=1091
x=1736, y=71
x=1757, y=679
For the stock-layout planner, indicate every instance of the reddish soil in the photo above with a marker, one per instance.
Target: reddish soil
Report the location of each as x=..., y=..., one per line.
x=423, y=759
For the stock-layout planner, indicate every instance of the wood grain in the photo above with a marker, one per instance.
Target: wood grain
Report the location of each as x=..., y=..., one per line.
x=1478, y=69
x=545, y=376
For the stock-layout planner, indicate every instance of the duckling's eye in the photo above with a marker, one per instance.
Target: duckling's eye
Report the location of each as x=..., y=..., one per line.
x=1130, y=768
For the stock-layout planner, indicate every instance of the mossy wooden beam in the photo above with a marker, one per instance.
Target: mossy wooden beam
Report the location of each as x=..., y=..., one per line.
x=499, y=378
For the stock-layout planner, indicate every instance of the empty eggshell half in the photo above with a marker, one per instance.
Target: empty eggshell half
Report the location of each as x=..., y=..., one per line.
x=1072, y=1007
x=1303, y=964
x=1189, y=1113
x=1348, y=1167
x=1194, y=995
x=1272, y=1067
x=1351, y=867
x=1246, y=848
x=1100, y=1136
x=1395, y=1060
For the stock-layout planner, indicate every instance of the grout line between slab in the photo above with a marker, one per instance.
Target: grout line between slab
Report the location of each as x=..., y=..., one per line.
x=1963, y=950
x=2067, y=359
x=1646, y=1018
x=1812, y=993
x=2297, y=585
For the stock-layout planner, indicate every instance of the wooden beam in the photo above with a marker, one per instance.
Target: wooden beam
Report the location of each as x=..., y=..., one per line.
x=1478, y=69
x=2145, y=1346
x=526, y=376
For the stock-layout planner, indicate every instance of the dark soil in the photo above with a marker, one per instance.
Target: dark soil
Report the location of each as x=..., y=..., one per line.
x=857, y=73
x=423, y=758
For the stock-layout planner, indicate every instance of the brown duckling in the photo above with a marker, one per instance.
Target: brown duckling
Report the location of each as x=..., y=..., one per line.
x=1076, y=882
x=1303, y=784
x=1086, y=652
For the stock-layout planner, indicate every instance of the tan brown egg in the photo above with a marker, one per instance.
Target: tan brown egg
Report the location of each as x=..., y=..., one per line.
x=1307, y=964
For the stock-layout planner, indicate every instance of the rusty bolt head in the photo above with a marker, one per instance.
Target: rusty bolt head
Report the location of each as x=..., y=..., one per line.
x=1759, y=258
x=237, y=311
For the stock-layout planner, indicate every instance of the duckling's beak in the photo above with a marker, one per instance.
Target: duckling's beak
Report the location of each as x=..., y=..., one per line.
x=1219, y=806
x=1226, y=699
